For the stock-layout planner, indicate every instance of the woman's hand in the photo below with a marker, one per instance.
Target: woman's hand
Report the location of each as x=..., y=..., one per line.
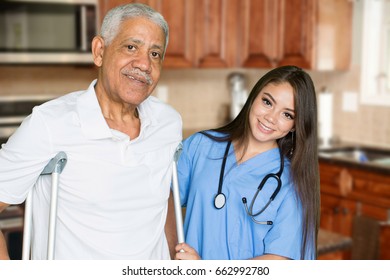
x=186, y=252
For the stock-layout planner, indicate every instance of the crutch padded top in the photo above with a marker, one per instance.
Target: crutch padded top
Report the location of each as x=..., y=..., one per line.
x=55, y=165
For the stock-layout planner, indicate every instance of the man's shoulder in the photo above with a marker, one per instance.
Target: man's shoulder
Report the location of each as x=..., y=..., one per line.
x=59, y=105
x=160, y=109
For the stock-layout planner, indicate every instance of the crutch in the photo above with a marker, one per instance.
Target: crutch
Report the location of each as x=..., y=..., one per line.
x=53, y=168
x=176, y=195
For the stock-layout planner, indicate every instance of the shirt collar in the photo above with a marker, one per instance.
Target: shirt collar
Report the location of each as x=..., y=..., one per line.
x=92, y=120
x=146, y=113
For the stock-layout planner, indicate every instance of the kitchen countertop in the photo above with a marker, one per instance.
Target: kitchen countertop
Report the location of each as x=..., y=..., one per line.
x=329, y=242
x=384, y=168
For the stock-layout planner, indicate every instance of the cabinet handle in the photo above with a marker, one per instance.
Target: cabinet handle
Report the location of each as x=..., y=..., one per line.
x=345, y=211
x=336, y=210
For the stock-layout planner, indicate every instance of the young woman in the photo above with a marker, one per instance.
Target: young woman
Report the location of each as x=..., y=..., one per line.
x=251, y=187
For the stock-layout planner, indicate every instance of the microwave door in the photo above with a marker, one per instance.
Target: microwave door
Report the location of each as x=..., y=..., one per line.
x=47, y=32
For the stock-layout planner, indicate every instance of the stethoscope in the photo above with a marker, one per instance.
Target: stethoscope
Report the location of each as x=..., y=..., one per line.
x=220, y=198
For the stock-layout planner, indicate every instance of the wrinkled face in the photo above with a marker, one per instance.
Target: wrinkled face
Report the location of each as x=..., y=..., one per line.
x=130, y=65
x=272, y=114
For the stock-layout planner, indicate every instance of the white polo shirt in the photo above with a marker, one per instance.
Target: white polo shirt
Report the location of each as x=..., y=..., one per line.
x=113, y=192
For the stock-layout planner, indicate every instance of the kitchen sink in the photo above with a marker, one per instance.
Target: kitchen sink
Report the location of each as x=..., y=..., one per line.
x=358, y=154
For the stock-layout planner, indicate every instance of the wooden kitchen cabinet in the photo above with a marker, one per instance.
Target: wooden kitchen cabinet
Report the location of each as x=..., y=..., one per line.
x=312, y=34
x=297, y=33
x=337, y=214
x=258, y=37
x=277, y=33
x=202, y=33
x=348, y=191
x=333, y=42
x=216, y=33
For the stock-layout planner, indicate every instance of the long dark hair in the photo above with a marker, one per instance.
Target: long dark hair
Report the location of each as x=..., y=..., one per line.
x=300, y=146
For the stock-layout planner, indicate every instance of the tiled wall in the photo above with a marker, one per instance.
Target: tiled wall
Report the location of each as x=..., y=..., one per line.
x=202, y=96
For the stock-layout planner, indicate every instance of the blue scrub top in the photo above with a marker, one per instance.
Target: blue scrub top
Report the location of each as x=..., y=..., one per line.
x=230, y=233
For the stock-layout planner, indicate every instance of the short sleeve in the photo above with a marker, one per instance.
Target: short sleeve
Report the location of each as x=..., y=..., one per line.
x=184, y=165
x=23, y=158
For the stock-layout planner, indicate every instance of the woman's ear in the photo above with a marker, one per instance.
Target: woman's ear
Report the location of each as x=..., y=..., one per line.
x=98, y=50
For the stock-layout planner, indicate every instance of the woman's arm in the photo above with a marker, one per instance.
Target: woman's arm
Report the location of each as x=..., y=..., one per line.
x=186, y=252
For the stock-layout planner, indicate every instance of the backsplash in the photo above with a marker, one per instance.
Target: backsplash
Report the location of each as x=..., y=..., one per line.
x=202, y=96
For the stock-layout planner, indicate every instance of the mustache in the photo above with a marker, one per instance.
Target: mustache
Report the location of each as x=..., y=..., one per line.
x=139, y=73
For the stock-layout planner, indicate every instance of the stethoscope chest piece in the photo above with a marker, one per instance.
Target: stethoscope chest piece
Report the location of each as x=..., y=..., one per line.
x=219, y=201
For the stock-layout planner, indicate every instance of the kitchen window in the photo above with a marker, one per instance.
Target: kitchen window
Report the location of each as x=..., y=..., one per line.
x=375, y=66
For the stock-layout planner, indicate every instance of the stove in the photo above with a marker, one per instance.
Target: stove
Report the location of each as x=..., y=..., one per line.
x=13, y=110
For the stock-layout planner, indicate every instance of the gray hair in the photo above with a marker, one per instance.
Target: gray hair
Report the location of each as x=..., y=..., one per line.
x=117, y=15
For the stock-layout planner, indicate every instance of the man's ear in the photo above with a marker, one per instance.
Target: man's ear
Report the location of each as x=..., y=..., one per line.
x=98, y=50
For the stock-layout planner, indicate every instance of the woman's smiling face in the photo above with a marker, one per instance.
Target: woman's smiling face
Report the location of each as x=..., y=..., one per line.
x=272, y=114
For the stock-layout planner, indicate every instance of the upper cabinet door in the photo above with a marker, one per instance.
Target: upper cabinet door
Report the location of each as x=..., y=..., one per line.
x=333, y=40
x=216, y=33
x=180, y=17
x=277, y=32
x=312, y=34
x=203, y=33
x=257, y=37
x=296, y=32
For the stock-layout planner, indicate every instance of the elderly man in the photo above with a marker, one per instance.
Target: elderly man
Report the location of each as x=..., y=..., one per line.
x=120, y=143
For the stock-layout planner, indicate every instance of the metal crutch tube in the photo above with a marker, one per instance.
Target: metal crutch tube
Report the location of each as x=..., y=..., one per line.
x=176, y=195
x=26, y=247
x=53, y=168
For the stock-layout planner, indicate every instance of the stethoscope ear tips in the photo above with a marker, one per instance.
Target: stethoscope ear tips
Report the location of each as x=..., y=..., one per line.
x=244, y=200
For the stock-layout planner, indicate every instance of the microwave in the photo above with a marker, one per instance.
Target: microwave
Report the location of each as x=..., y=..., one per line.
x=47, y=31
